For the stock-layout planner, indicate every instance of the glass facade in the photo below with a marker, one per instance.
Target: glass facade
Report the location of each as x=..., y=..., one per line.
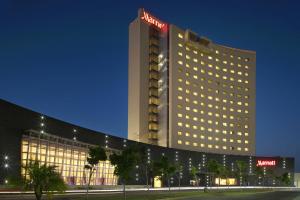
x=69, y=157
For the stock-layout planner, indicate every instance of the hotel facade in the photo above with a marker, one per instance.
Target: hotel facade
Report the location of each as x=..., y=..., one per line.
x=188, y=92
x=190, y=100
x=27, y=136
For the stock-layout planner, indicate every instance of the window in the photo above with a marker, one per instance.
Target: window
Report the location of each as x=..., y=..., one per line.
x=180, y=35
x=179, y=142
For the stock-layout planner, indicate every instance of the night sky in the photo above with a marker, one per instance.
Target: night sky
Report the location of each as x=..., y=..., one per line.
x=68, y=59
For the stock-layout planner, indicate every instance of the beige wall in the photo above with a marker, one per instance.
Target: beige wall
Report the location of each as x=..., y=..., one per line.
x=211, y=112
x=138, y=75
x=198, y=129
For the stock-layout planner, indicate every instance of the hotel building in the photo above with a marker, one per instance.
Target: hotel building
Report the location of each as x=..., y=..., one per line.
x=27, y=136
x=190, y=100
x=187, y=92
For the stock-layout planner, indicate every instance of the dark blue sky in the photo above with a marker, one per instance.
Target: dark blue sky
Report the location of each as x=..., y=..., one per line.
x=68, y=59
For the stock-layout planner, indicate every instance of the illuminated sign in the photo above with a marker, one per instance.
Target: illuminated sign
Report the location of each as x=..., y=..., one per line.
x=152, y=20
x=265, y=163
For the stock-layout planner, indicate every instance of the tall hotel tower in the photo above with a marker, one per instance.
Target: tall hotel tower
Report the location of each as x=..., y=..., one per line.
x=188, y=92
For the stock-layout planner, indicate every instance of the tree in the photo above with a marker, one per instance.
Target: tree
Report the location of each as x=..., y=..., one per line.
x=96, y=154
x=284, y=179
x=145, y=163
x=241, y=167
x=43, y=179
x=212, y=168
x=179, y=169
x=166, y=169
x=124, y=163
x=223, y=172
x=194, y=174
x=259, y=174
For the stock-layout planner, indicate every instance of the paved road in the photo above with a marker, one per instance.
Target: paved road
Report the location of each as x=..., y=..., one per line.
x=277, y=195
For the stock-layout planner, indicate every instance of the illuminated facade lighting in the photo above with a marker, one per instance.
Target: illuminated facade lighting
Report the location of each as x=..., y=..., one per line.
x=178, y=79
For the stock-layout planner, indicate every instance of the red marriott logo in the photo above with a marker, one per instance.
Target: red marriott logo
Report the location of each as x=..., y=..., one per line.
x=150, y=19
x=265, y=163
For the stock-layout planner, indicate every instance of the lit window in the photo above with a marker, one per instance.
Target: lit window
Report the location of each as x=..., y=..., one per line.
x=187, y=143
x=224, y=147
x=187, y=57
x=180, y=80
x=195, y=136
x=180, y=53
x=180, y=62
x=195, y=52
x=179, y=133
x=209, y=146
x=179, y=88
x=179, y=115
x=180, y=35
x=209, y=57
x=202, y=145
x=217, y=52
x=195, y=144
x=246, y=149
x=224, y=61
x=187, y=48
x=180, y=45
x=187, y=134
x=180, y=97
x=187, y=108
x=179, y=123
x=179, y=142
x=246, y=142
x=195, y=60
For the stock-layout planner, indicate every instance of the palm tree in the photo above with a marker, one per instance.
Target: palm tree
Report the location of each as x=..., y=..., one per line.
x=96, y=154
x=124, y=163
x=43, y=179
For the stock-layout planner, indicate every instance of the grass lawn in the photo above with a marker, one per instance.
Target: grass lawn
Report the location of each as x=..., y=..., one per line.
x=166, y=195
